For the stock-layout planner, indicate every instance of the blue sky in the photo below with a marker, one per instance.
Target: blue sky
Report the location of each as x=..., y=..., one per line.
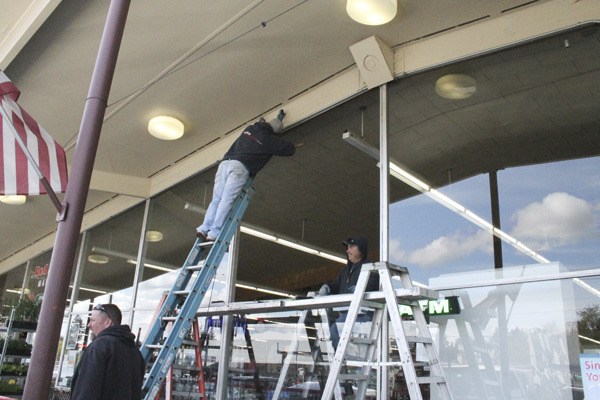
x=552, y=208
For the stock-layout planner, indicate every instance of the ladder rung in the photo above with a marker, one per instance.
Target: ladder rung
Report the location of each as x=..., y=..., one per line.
x=188, y=395
x=169, y=319
x=154, y=346
x=430, y=379
x=360, y=340
x=181, y=292
x=355, y=358
x=195, y=267
x=186, y=367
x=418, y=339
x=353, y=377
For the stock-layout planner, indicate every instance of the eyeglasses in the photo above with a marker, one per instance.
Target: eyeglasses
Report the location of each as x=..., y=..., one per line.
x=100, y=307
x=103, y=309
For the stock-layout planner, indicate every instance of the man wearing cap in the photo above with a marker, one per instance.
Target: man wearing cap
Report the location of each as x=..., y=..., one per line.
x=111, y=367
x=356, y=251
x=246, y=156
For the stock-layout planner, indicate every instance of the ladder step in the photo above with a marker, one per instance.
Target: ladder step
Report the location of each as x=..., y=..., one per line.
x=154, y=346
x=188, y=395
x=430, y=379
x=181, y=292
x=206, y=244
x=419, y=339
x=195, y=267
x=352, y=377
x=360, y=340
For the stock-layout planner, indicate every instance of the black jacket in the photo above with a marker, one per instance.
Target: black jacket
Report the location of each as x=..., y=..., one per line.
x=256, y=145
x=111, y=368
x=348, y=276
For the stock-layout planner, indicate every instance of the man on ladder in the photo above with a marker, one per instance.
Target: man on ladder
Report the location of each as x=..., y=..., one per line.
x=245, y=158
x=356, y=251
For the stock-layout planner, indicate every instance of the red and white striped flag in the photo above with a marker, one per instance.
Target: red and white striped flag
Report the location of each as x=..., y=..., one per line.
x=17, y=175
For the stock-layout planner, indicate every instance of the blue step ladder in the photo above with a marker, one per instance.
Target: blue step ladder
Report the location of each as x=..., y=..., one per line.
x=186, y=300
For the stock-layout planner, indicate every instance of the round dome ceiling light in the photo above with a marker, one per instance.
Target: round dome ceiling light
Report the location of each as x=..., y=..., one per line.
x=455, y=86
x=372, y=12
x=15, y=199
x=98, y=258
x=154, y=236
x=165, y=128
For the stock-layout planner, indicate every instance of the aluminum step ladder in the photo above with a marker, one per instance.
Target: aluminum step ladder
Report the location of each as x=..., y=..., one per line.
x=477, y=352
x=182, y=302
x=367, y=362
x=305, y=323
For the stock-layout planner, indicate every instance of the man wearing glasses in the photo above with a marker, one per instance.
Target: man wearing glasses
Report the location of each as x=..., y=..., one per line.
x=112, y=367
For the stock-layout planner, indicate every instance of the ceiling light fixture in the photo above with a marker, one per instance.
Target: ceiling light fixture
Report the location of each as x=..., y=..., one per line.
x=98, y=258
x=154, y=236
x=152, y=266
x=15, y=199
x=455, y=86
x=372, y=12
x=165, y=128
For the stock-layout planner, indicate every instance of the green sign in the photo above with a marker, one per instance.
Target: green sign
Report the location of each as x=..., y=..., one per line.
x=445, y=306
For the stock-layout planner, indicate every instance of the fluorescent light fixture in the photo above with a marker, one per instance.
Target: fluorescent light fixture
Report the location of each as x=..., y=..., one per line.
x=587, y=287
x=372, y=12
x=132, y=259
x=154, y=236
x=149, y=265
x=402, y=174
x=264, y=290
x=13, y=291
x=90, y=290
x=15, y=199
x=589, y=339
x=288, y=242
x=455, y=86
x=98, y=258
x=165, y=128
x=258, y=234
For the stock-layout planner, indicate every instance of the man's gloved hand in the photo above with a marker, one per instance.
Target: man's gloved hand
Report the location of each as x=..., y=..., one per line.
x=281, y=115
x=324, y=291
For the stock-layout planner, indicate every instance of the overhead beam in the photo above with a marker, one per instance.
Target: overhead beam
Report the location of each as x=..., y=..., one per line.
x=25, y=19
x=120, y=184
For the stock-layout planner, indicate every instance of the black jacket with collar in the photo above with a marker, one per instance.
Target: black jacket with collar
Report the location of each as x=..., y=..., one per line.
x=348, y=277
x=256, y=145
x=111, y=368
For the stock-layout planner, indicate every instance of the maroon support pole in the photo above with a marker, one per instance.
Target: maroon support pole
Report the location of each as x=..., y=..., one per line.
x=39, y=377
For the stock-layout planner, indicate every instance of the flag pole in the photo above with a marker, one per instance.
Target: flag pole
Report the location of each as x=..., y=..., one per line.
x=39, y=377
x=42, y=178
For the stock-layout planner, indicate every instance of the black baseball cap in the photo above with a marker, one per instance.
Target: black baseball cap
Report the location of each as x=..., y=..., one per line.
x=361, y=242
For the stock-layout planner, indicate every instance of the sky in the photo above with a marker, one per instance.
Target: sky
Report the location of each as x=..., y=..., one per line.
x=552, y=208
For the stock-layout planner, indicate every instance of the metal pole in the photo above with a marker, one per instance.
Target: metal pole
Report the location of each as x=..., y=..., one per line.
x=140, y=263
x=227, y=327
x=37, y=385
x=74, y=295
x=493, y=176
x=384, y=232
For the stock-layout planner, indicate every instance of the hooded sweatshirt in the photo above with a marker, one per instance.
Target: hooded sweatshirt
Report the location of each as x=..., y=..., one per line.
x=111, y=368
x=348, y=276
x=256, y=145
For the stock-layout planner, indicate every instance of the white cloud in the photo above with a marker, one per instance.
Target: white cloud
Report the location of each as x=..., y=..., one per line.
x=559, y=218
x=443, y=249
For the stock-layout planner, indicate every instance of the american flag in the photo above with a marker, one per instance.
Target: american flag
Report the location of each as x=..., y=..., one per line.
x=17, y=174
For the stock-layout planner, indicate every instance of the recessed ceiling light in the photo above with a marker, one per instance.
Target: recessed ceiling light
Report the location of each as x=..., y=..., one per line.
x=98, y=258
x=372, y=12
x=165, y=128
x=154, y=236
x=16, y=199
x=455, y=86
